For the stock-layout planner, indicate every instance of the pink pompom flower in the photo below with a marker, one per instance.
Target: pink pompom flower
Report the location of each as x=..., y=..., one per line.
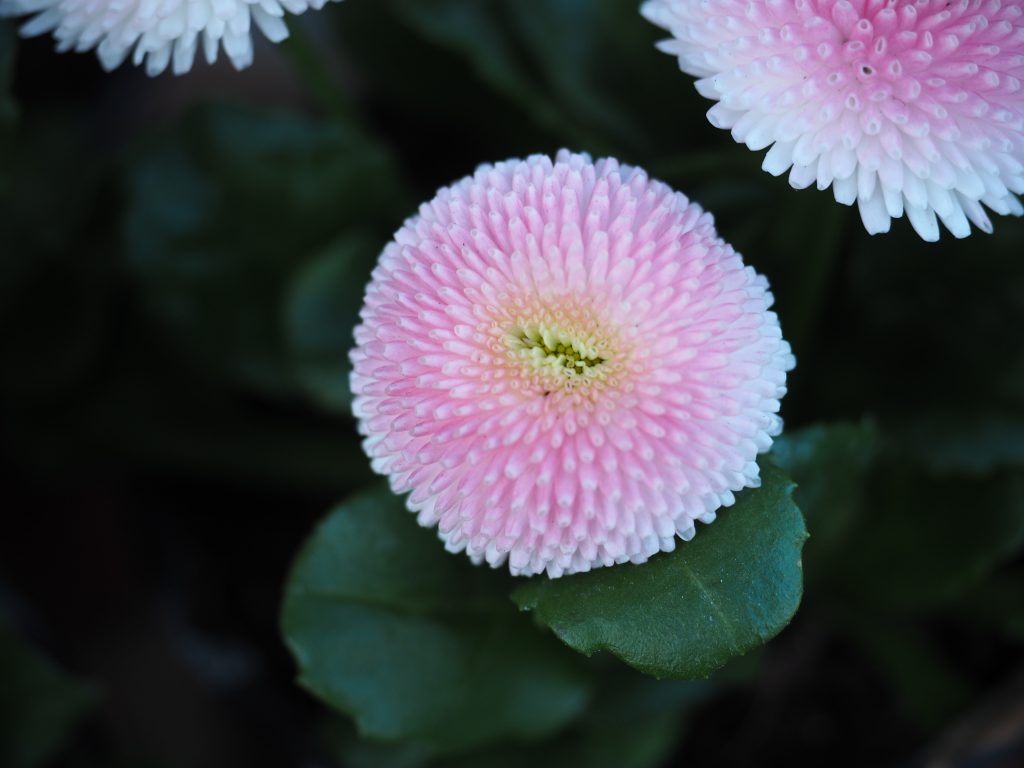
x=903, y=106
x=566, y=366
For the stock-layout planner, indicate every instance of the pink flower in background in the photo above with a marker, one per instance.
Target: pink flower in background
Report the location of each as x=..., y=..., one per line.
x=160, y=33
x=902, y=106
x=566, y=366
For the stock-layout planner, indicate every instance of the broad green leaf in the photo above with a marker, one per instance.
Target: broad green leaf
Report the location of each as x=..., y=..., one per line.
x=829, y=464
x=39, y=704
x=684, y=614
x=228, y=209
x=416, y=643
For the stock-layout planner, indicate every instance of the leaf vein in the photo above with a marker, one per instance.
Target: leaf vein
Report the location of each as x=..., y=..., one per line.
x=708, y=595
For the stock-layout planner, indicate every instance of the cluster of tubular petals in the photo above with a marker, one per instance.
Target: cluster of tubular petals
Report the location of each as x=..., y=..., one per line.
x=565, y=367
x=161, y=33
x=906, y=107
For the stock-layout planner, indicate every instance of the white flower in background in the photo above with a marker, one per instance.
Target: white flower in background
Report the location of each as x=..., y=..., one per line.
x=160, y=32
x=902, y=106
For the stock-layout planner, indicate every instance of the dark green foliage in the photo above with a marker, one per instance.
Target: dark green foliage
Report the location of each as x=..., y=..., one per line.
x=416, y=644
x=232, y=206
x=39, y=704
x=685, y=613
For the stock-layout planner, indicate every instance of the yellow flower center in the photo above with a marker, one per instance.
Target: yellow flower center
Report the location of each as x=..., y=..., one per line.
x=559, y=356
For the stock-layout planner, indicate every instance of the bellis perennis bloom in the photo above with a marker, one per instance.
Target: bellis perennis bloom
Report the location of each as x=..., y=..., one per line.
x=565, y=366
x=160, y=32
x=903, y=106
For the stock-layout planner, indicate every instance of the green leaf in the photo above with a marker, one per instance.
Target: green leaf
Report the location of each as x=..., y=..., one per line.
x=894, y=535
x=147, y=410
x=634, y=721
x=996, y=604
x=924, y=540
x=228, y=209
x=684, y=614
x=550, y=57
x=39, y=704
x=55, y=259
x=940, y=337
x=484, y=34
x=416, y=643
x=321, y=311
x=8, y=107
x=568, y=42
x=829, y=464
x=928, y=686
x=972, y=442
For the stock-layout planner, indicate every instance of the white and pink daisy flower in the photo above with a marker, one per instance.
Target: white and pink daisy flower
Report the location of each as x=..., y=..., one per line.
x=566, y=366
x=160, y=33
x=903, y=106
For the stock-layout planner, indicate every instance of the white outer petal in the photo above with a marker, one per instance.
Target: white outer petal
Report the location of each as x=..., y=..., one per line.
x=160, y=34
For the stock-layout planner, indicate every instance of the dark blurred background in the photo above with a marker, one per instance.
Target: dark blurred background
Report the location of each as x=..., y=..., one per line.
x=181, y=264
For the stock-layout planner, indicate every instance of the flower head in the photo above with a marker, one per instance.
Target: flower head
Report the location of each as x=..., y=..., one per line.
x=904, y=106
x=566, y=366
x=159, y=32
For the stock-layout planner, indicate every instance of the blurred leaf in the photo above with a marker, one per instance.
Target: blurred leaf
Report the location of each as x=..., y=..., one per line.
x=8, y=107
x=352, y=751
x=50, y=333
x=927, y=685
x=39, y=704
x=634, y=721
x=471, y=121
x=926, y=539
x=485, y=33
x=229, y=207
x=997, y=605
x=8, y=48
x=928, y=328
x=802, y=284
x=828, y=463
x=146, y=410
x=684, y=614
x=572, y=65
x=321, y=311
x=973, y=442
x=55, y=277
x=416, y=643
x=568, y=42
